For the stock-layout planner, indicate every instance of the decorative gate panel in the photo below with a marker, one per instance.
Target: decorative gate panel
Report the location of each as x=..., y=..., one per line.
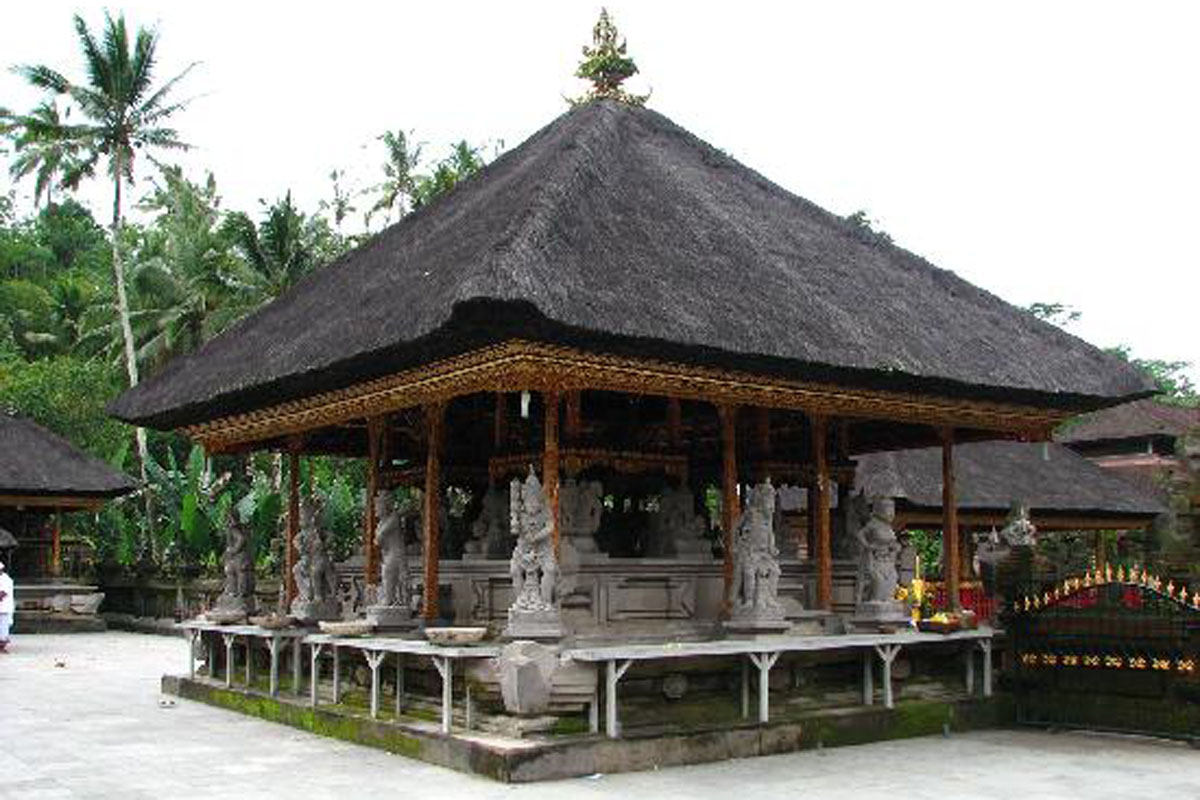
x=1112, y=650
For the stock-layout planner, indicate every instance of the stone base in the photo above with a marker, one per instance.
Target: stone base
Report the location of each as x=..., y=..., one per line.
x=760, y=624
x=536, y=625
x=880, y=616
x=307, y=613
x=396, y=618
x=226, y=616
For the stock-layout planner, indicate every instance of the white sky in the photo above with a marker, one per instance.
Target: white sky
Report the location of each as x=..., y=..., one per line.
x=1044, y=151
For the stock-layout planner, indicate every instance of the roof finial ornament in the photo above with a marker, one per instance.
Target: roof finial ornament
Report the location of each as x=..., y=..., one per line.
x=606, y=65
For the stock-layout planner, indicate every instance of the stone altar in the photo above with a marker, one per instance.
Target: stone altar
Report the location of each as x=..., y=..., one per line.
x=536, y=612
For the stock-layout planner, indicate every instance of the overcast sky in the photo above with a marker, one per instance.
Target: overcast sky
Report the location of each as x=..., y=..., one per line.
x=1046, y=151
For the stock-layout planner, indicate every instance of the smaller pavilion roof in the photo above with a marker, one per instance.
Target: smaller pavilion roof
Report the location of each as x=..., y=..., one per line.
x=37, y=463
x=1050, y=477
x=1135, y=420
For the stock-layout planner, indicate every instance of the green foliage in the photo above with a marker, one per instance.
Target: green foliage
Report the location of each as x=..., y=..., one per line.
x=865, y=229
x=928, y=545
x=1170, y=377
x=463, y=162
x=66, y=394
x=279, y=250
x=1059, y=314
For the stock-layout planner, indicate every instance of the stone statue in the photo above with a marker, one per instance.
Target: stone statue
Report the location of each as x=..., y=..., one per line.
x=391, y=608
x=677, y=530
x=1004, y=558
x=580, y=504
x=316, y=578
x=1018, y=530
x=878, y=578
x=534, y=568
x=237, y=597
x=755, y=600
x=490, y=537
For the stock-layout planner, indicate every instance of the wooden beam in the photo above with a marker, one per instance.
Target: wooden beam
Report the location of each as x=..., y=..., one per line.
x=56, y=546
x=293, y=527
x=520, y=365
x=435, y=416
x=500, y=424
x=820, y=512
x=1044, y=521
x=762, y=432
x=550, y=463
x=730, y=506
x=951, y=566
x=674, y=423
x=52, y=503
x=574, y=416
x=376, y=428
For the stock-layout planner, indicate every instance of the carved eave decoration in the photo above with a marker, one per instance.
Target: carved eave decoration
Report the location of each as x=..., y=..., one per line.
x=528, y=366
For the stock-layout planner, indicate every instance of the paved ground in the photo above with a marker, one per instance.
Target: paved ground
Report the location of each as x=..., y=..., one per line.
x=92, y=727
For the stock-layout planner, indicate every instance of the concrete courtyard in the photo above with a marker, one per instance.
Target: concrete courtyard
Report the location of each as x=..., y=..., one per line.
x=80, y=717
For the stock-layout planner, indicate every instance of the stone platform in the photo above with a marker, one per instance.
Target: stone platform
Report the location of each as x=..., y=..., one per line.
x=525, y=760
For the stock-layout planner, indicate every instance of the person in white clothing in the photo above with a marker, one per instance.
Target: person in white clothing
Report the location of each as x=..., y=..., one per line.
x=6, y=607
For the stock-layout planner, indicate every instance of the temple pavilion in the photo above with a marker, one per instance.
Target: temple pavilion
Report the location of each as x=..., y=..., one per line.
x=43, y=475
x=616, y=302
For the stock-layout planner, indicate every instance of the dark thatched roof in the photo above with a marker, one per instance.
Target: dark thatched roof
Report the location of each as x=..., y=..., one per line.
x=990, y=475
x=1135, y=420
x=38, y=463
x=613, y=228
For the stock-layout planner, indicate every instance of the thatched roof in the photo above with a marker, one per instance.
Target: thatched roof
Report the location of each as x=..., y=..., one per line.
x=614, y=229
x=1140, y=419
x=38, y=463
x=991, y=475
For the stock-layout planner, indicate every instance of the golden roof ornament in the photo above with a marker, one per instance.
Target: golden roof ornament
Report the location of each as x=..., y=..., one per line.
x=607, y=65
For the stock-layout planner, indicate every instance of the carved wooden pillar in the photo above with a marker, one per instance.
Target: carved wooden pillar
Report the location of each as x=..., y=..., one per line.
x=56, y=545
x=376, y=427
x=500, y=424
x=574, y=417
x=820, y=512
x=762, y=432
x=729, y=491
x=951, y=568
x=435, y=416
x=293, y=525
x=550, y=463
x=674, y=423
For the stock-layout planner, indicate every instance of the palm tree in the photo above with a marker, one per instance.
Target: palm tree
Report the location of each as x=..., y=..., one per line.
x=183, y=271
x=124, y=114
x=400, y=178
x=42, y=149
x=278, y=251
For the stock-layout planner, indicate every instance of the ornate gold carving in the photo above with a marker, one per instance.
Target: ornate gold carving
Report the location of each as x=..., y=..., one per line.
x=519, y=365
